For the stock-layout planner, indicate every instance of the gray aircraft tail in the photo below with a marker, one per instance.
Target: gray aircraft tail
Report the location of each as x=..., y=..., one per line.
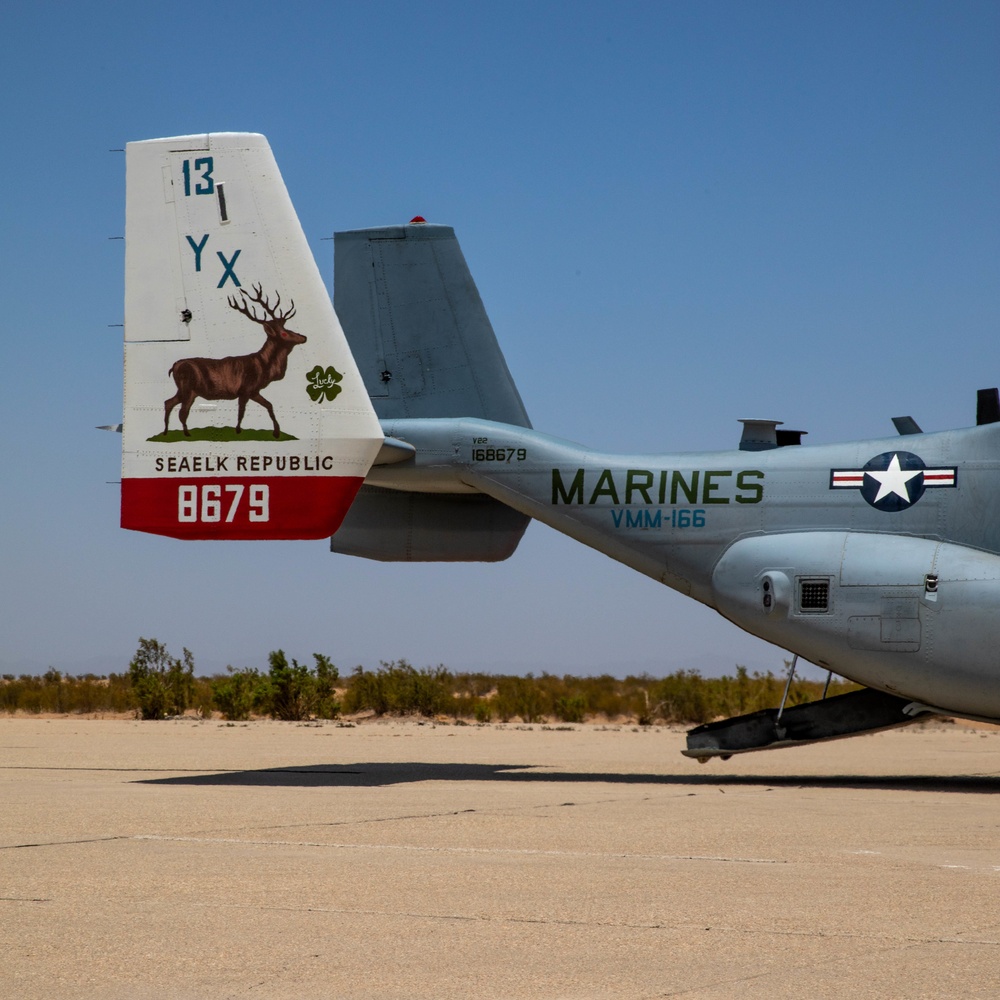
x=425, y=347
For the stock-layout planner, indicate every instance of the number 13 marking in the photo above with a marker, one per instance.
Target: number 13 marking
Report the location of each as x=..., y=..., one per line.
x=203, y=167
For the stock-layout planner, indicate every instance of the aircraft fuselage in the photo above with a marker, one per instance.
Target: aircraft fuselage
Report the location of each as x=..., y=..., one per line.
x=877, y=559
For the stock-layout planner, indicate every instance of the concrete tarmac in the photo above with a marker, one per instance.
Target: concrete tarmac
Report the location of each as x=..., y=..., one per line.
x=191, y=859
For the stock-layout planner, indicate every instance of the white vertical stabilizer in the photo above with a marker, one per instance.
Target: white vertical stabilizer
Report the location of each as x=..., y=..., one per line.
x=245, y=414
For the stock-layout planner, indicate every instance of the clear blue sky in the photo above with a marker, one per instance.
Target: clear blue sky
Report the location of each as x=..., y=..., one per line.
x=678, y=214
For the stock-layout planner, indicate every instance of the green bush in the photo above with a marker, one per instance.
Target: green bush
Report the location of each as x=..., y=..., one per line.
x=236, y=694
x=520, y=696
x=325, y=703
x=289, y=691
x=288, y=688
x=162, y=685
x=158, y=685
x=365, y=692
x=571, y=708
x=399, y=688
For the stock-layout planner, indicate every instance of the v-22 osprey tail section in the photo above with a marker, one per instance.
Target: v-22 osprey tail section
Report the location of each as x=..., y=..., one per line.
x=250, y=413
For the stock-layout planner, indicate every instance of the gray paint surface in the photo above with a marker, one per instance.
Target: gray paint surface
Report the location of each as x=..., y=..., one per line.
x=418, y=328
x=425, y=348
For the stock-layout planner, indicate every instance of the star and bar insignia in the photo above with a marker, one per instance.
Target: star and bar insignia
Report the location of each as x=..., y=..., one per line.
x=892, y=481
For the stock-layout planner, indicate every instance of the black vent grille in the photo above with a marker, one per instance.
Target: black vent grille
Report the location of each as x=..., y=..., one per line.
x=814, y=595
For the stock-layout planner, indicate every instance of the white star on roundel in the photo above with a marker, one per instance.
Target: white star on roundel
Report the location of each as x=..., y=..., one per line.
x=893, y=480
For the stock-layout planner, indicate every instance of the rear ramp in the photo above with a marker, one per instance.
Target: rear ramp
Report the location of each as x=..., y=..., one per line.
x=863, y=711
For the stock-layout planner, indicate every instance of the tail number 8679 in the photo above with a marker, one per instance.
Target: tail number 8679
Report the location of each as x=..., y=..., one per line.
x=214, y=503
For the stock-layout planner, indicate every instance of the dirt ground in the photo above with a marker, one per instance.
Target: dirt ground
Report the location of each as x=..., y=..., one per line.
x=196, y=858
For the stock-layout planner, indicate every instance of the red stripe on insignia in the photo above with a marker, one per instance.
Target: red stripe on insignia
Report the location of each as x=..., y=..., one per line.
x=848, y=478
x=939, y=477
x=243, y=507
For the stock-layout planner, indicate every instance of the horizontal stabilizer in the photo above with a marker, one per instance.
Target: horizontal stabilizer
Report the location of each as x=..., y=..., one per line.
x=987, y=406
x=394, y=451
x=392, y=526
x=906, y=425
x=245, y=414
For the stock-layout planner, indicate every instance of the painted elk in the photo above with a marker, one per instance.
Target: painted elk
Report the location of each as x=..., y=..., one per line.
x=239, y=378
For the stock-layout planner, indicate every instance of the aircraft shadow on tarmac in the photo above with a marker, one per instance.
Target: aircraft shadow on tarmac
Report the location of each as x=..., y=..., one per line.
x=373, y=775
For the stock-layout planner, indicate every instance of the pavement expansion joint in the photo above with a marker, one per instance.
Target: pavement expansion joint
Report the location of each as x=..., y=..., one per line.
x=371, y=819
x=65, y=843
x=462, y=917
x=732, y=986
x=451, y=849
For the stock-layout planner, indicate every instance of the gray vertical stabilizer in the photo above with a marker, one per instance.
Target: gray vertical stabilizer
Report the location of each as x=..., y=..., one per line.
x=425, y=348
x=417, y=326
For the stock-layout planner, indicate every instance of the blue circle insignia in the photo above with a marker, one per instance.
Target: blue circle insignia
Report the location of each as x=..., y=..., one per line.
x=893, y=480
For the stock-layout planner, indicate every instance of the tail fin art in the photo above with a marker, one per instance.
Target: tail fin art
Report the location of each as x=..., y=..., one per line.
x=217, y=271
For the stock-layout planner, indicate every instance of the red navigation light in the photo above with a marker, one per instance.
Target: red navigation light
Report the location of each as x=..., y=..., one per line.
x=417, y=219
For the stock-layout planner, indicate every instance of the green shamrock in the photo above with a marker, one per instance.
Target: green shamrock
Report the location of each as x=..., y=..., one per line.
x=323, y=383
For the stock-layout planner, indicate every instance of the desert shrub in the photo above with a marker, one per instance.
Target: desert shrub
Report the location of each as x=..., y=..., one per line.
x=288, y=690
x=366, y=692
x=121, y=697
x=202, y=698
x=235, y=695
x=85, y=694
x=292, y=691
x=683, y=697
x=325, y=703
x=606, y=695
x=520, y=696
x=571, y=708
x=474, y=685
x=398, y=687
x=157, y=685
x=431, y=690
x=162, y=685
x=30, y=694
